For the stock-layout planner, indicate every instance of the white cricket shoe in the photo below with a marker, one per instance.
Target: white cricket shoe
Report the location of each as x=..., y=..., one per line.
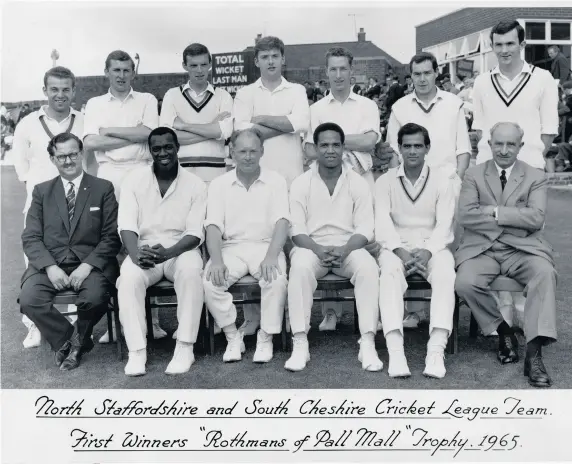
x=329, y=322
x=300, y=355
x=263, y=353
x=398, y=365
x=435, y=365
x=234, y=348
x=183, y=359
x=136, y=364
x=368, y=356
x=34, y=337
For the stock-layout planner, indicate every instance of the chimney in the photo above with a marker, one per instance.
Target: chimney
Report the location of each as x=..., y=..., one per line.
x=361, y=35
x=258, y=37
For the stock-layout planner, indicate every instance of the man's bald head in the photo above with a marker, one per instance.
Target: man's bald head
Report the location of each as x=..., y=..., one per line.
x=511, y=127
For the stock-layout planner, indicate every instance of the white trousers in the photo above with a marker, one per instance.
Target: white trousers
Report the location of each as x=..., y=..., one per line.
x=241, y=260
x=392, y=287
x=185, y=271
x=305, y=269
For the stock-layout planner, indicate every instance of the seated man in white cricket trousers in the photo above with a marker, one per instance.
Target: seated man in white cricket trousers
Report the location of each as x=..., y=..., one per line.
x=247, y=224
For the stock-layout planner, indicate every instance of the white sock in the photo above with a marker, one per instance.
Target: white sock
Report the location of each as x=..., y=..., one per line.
x=438, y=340
x=368, y=337
x=394, y=341
x=185, y=343
x=230, y=331
x=301, y=336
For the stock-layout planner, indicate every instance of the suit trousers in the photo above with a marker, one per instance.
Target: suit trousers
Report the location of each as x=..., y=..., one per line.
x=393, y=285
x=185, y=272
x=36, y=302
x=535, y=272
x=360, y=267
x=243, y=259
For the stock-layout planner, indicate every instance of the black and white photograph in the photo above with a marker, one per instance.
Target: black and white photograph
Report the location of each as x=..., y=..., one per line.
x=275, y=196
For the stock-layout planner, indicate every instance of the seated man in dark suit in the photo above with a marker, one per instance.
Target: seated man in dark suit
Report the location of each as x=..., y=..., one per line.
x=71, y=242
x=502, y=207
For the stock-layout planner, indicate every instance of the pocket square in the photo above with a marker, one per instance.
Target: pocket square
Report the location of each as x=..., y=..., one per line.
x=94, y=208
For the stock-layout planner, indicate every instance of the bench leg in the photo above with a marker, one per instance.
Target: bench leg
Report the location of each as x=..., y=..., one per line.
x=148, y=317
x=118, y=330
x=356, y=319
x=283, y=334
x=203, y=333
x=474, y=327
x=110, y=321
x=211, y=334
x=453, y=343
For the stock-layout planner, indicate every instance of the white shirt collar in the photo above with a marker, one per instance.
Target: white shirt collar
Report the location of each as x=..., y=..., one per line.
x=422, y=176
x=284, y=84
x=209, y=88
x=507, y=170
x=263, y=177
x=76, y=182
x=330, y=97
x=112, y=97
x=438, y=96
x=525, y=69
x=42, y=112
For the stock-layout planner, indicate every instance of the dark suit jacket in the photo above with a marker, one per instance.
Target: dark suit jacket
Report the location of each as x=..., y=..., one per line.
x=394, y=93
x=560, y=68
x=92, y=235
x=375, y=91
x=521, y=212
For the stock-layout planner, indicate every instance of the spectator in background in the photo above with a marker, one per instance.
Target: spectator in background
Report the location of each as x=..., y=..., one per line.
x=560, y=68
x=25, y=111
x=394, y=92
x=354, y=87
x=448, y=86
x=374, y=88
x=408, y=87
x=564, y=157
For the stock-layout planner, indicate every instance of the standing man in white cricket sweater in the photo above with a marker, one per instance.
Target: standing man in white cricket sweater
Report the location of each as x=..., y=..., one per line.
x=516, y=91
x=414, y=209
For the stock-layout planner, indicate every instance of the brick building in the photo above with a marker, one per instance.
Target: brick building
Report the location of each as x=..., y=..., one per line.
x=460, y=40
x=306, y=62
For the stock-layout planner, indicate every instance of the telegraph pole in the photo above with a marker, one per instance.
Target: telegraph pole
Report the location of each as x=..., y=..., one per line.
x=55, y=56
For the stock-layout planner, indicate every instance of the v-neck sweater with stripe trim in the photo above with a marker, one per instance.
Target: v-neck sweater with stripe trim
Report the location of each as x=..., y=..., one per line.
x=424, y=221
x=533, y=104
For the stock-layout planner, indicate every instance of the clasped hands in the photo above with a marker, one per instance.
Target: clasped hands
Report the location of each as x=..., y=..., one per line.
x=60, y=280
x=415, y=261
x=331, y=256
x=148, y=256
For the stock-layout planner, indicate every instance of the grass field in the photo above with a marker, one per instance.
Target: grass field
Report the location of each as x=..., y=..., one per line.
x=334, y=355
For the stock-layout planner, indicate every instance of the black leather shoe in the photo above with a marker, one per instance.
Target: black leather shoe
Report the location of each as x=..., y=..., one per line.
x=74, y=357
x=62, y=353
x=536, y=372
x=508, y=349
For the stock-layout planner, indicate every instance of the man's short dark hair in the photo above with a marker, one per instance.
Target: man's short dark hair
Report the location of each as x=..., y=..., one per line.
x=195, y=49
x=504, y=27
x=411, y=129
x=408, y=76
x=162, y=130
x=421, y=57
x=119, y=55
x=328, y=126
x=61, y=73
x=62, y=138
x=339, y=51
x=265, y=44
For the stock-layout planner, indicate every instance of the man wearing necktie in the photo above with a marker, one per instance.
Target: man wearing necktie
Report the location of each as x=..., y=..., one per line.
x=502, y=208
x=71, y=242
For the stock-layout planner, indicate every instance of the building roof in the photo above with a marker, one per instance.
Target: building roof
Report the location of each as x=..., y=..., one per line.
x=303, y=56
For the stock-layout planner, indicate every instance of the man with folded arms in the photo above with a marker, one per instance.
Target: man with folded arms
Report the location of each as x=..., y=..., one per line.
x=161, y=214
x=332, y=221
x=117, y=125
x=71, y=242
x=247, y=225
x=414, y=209
x=502, y=208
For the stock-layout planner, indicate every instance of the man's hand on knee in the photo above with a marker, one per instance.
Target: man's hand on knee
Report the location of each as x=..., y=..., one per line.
x=58, y=277
x=78, y=276
x=218, y=274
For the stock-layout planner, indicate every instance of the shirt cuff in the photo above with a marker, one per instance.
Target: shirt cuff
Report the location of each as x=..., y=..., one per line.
x=296, y=128
x=128, y=228
x=297, y=229
x=243, y=125
x=195, y=233
x=390, y=246
x=210, y=222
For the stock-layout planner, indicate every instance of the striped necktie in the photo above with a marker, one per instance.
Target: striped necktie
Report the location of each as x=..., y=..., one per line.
x=70, y=198
x=503, y=179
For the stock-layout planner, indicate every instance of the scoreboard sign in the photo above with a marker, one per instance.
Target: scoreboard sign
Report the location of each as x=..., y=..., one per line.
x=232, y=71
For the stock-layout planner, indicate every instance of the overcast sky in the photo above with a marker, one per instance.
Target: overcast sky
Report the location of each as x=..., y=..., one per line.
x=84, y=33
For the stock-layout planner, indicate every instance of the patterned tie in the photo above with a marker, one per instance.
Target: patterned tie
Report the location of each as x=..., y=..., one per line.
x=503, y=178
x=70, y=198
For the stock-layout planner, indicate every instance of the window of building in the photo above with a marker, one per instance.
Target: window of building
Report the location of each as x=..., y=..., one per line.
x=542, y=33
x=535, y=31
x=559, y=31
